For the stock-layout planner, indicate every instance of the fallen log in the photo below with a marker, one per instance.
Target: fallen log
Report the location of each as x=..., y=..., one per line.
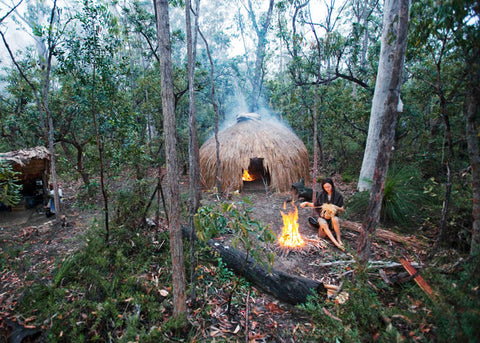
x=288, y=288
x=385, y=235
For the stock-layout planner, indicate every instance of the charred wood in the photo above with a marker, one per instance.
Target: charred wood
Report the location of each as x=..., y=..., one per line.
x=291, y=289
x=288, y=288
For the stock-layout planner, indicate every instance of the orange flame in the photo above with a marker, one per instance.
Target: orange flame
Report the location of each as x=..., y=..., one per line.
x=290, y=237
x=246, y=176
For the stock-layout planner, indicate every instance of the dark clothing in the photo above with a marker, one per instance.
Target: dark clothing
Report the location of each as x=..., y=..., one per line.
x=322, y=198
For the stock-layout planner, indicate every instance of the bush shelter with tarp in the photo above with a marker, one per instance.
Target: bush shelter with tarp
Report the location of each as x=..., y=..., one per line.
x=33, y=166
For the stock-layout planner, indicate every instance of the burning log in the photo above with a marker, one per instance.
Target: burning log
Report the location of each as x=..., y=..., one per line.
x=247, y=177
x=285, y=287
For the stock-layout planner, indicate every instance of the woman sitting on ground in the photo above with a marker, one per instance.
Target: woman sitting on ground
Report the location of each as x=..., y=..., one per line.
x=327, y=213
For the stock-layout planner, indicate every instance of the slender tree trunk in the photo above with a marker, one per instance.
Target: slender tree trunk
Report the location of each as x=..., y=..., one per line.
x=472, y=119
x=215, y=109
x=257, y=81
x=51, y=136
x=446, y=204
x=450, y=155
x=315, y=146
x=387, y=135
x=193, y=153
x=78, y=161
x=53, y=168
x=380, y=95
x=170, y=136
x=100, y=157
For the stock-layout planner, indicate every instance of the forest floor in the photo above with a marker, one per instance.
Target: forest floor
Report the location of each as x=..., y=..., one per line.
x=28, y=238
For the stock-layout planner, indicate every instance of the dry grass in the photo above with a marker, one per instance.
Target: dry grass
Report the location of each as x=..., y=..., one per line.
x=284, y=155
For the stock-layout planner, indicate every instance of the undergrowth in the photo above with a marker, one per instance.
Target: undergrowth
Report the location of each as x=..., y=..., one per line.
x=407, y=200
x=105, y=293
x=122, y=293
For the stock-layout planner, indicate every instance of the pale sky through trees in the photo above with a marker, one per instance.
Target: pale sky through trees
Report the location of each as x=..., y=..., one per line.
x=218, y=15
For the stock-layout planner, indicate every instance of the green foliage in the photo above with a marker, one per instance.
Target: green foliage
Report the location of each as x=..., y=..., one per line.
x=392, y=313
x=235, y=218
x=405, y=199
x=457, y=315
x=103, y=293
x=358, y=319
x=130, y=203
x=9, y=188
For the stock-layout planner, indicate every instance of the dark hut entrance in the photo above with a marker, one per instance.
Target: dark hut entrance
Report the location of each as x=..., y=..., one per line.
x=33, y=168
x=256, y=177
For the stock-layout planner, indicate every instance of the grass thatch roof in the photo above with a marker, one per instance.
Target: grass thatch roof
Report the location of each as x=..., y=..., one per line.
x=23, y=157
x=284, y=154
x=33, y=164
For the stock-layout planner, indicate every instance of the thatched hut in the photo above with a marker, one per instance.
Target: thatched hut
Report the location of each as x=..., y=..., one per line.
x=33, y=165
x=254, y=154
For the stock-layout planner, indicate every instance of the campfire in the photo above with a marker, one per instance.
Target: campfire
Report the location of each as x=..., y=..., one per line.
x=290, y=237
x=246, y=176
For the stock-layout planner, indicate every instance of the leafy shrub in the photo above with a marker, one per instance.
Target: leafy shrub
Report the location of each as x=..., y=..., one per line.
x=359, y=319
x=234, y=218
x=9, y=189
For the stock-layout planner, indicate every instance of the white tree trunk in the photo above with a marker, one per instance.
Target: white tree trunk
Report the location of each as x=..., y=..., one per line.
x=377, y=113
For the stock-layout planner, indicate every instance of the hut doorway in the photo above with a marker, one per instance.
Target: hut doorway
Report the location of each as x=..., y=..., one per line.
x=256, y=177
x=33, y=167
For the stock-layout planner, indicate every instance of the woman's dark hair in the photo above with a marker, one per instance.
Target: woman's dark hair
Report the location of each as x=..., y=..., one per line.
x=330, y=181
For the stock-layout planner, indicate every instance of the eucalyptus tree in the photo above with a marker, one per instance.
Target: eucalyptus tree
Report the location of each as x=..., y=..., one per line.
x=140, y=28
x=382, y=89
x=464, y=18
x=396, y=28
x=92, y=78
x=193, y=150
x=319, y=51
x=21, y=124
x=260, y=25
x=168, y=109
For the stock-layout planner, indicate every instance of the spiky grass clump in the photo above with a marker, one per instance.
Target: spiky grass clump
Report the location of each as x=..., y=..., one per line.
x=404, y=203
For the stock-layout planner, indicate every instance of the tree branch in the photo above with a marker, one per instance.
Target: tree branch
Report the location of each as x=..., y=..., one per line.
x=9, y=12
